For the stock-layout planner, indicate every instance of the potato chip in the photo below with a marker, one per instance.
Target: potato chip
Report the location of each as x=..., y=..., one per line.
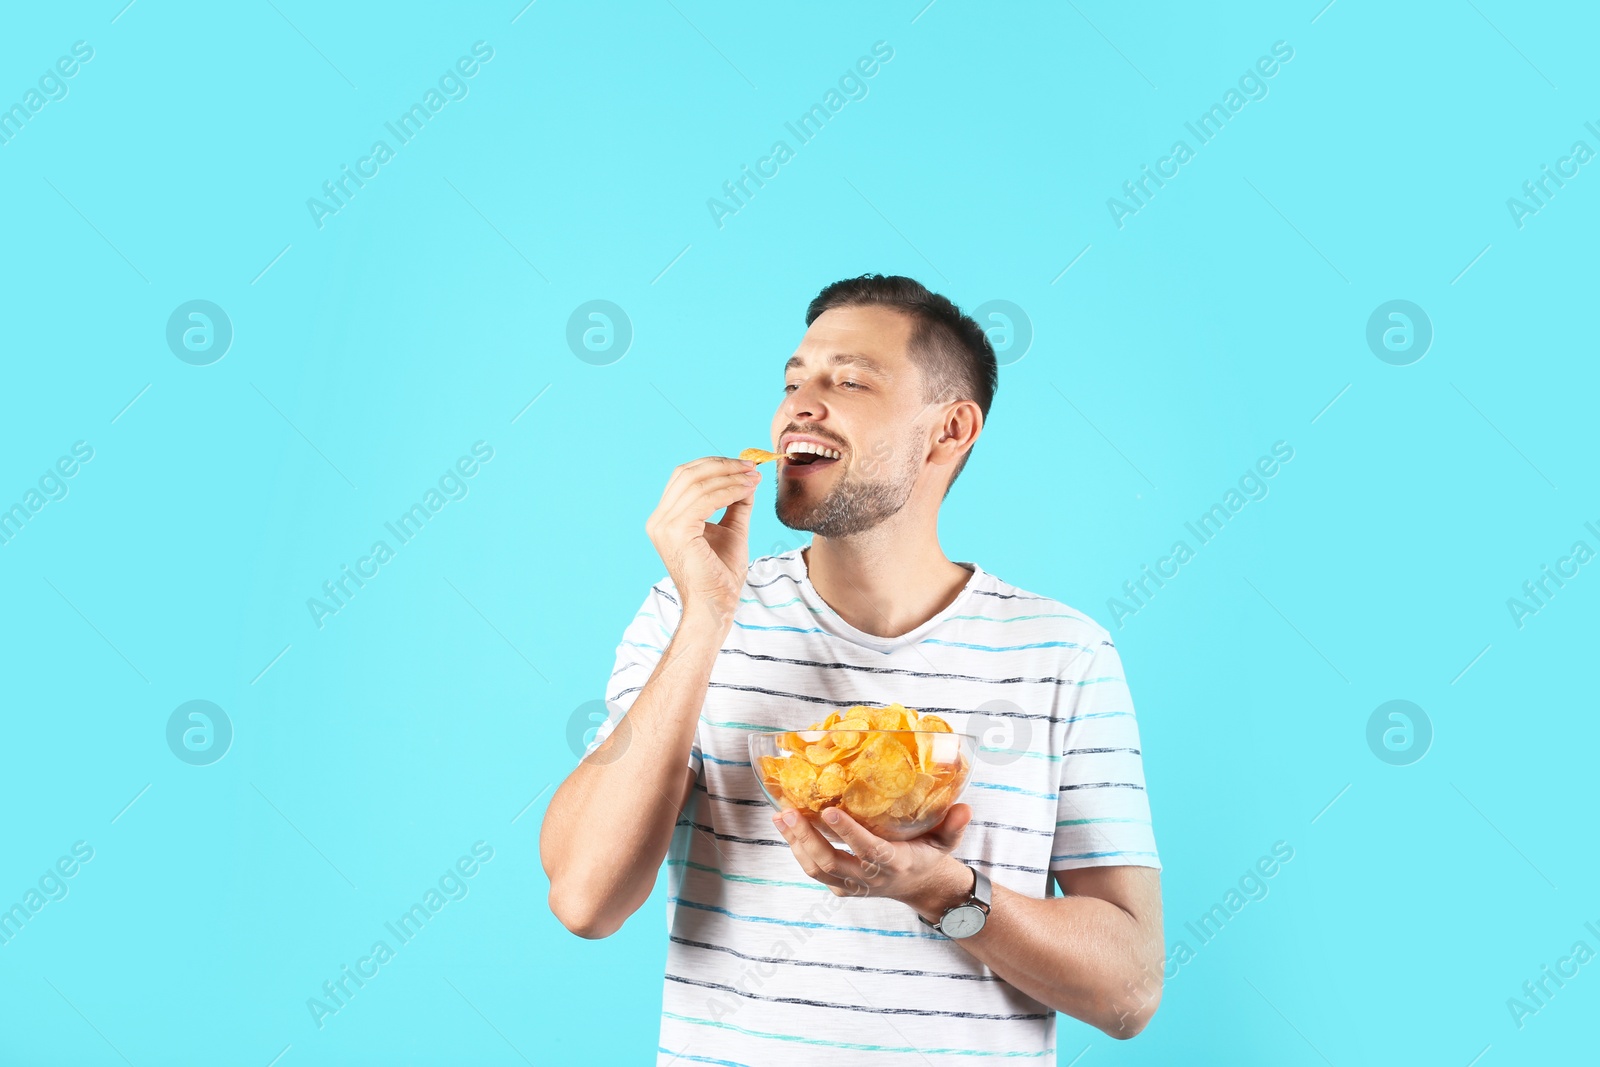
x=847, y=733
x=892, y=717
x=861, y=800
x=925, y=741
x=873, y=762
x=831, y=782
x=757, y=455
x=824, y=752
x=884, y=763
x=798, y=779
x=907, y=805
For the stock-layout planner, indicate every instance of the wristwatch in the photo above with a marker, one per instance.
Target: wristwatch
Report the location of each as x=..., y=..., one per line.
x=966, y=918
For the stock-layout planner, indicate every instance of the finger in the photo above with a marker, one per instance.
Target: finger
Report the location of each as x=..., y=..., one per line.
x=705, y=499
x=686, y=473
x=736, y=519
x=865, y=845
x=820, y=860
x=947, y=834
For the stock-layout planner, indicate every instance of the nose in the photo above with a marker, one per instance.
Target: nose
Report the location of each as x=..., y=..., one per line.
x=804, y=404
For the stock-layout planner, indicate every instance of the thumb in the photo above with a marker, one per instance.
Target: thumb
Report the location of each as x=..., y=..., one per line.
x=948, y=833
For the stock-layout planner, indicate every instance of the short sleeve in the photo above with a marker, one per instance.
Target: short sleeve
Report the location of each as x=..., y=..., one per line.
x=1102, y=808
x=643, y=642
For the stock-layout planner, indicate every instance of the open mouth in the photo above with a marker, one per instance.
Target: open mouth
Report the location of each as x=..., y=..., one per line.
x=805, y=457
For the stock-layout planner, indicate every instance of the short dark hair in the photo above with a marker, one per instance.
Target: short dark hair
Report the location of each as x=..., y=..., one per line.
x=954, y=354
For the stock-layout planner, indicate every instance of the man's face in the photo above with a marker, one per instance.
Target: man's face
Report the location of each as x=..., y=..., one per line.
x=851, y=386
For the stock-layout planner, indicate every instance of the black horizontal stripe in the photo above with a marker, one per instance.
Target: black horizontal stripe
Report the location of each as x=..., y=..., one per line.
x=1018, y=596
x=699, y=786
x=781, y=843
x=666, y=594
x=778, y=841
x=1008, y=826
x=938, y=675
x=762, y=585
x=846, y=1006
x=1007, y=866
x=835, y=702
x=1097, y=751
x=911, y=972
x=1101, y=785
x=728, y=800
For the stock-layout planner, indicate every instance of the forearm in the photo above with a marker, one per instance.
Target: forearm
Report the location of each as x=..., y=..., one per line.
x=609, y=824
x=1081, y=955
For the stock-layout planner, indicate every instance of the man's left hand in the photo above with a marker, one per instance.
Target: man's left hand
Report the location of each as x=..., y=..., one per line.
x=920, y=872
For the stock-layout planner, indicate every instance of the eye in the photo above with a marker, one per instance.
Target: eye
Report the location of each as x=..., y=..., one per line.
x=789, y=386
x=852, y=384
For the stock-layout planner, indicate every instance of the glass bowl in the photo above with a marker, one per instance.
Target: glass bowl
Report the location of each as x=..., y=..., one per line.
x=896, y=783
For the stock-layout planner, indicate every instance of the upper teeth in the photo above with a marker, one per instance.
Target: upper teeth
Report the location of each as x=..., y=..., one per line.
x=821, y=450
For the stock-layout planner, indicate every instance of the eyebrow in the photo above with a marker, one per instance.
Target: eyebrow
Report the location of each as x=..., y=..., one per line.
x=852, y=358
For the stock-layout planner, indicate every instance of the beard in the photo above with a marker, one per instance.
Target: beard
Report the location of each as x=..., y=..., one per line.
x=853, y=505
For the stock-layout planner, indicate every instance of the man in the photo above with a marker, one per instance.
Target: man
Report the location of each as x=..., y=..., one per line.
x=783, y=947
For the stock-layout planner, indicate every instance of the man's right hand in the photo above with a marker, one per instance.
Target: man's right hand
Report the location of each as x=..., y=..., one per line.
x=707, y=561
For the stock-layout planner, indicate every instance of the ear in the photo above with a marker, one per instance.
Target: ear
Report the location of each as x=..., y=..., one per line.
x=956, y=432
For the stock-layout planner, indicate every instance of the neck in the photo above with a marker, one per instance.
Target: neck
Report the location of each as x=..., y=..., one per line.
x=884, y=581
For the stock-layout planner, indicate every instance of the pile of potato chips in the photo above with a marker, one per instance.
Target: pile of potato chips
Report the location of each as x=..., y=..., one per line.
x=876, y=777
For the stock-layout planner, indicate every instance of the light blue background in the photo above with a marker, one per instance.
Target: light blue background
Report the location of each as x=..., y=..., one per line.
x=427, y=715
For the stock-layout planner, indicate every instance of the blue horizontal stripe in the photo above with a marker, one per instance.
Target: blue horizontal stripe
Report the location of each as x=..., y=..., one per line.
x=1098, y=715
x=1097, y=855
x=854, y=1044
x=751, y=879
x=830, y=965
x=809, y=925
x=727, y=762
x=1000, y=648
x=1017, y=618
x=699, y=1059
x=789, y=629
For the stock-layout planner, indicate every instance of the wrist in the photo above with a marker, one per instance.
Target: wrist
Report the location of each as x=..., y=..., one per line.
x=949, y=885
x=708, y=617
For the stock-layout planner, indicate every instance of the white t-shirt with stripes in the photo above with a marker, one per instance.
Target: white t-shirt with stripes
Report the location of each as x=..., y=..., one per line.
x=766, y=966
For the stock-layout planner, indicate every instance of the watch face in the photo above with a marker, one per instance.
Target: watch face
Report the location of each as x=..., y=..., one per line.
x=963, y=921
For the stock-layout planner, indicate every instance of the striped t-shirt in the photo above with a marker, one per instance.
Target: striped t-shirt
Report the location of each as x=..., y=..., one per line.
x=766, y=966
